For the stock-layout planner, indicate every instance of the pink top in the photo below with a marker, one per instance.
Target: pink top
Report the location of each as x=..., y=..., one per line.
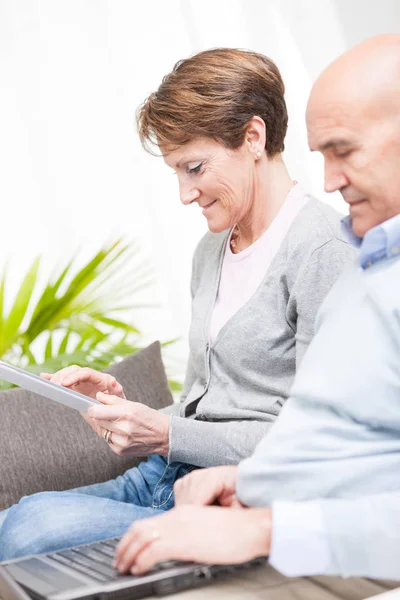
x=242, y=273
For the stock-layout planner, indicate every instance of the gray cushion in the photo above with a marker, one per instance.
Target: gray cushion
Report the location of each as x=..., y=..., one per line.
x=46, y=446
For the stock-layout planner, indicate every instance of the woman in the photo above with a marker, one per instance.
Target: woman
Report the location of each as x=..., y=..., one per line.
x=219, y=120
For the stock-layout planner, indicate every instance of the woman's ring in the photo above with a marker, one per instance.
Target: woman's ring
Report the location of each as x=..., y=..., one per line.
x=107, y=436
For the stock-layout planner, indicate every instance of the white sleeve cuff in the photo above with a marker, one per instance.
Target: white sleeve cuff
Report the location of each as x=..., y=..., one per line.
x=300, y=543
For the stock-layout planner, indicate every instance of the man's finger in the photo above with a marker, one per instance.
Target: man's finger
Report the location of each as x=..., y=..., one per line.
x=152, y=554
x=134, y=541
x=124, y=542
x=229, y=499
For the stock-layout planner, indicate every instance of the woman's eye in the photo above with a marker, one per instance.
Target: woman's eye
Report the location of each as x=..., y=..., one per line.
x=195, y=169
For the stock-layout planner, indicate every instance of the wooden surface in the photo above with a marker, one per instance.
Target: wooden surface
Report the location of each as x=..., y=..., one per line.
x=264, y=583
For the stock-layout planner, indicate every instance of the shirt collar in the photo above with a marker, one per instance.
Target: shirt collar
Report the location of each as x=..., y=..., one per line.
x=379, y=243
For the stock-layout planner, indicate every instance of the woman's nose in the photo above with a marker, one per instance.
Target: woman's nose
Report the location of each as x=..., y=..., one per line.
x=188, y=193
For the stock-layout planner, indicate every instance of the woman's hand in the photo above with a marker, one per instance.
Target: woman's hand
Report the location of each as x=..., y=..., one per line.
x=208, y=486
x=207, y=534
x=86, y=381
x=136, y=429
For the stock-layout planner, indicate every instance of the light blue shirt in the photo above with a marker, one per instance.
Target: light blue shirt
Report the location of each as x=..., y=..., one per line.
x=330, y=465
x=379, y=243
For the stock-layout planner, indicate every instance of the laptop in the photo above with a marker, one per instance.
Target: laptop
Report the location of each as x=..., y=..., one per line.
x=86, y=572
x=9, y=588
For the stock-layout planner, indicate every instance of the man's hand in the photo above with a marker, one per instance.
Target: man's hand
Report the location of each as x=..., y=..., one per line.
x=208, y=486
x=207, y=534
x=136, y=429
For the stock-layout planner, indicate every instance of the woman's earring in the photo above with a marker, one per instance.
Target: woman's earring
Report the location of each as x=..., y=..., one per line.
x=258, y=154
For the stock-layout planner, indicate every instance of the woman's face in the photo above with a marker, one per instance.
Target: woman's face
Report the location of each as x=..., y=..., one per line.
x=220, y=180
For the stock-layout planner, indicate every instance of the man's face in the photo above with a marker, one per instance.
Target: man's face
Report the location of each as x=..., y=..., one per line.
x=361, y=150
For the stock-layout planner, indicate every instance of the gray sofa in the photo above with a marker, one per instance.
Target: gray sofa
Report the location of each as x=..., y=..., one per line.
x=46, y=446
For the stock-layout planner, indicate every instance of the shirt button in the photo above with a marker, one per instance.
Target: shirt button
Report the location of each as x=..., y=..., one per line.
x=395, y=249
x=369, y=264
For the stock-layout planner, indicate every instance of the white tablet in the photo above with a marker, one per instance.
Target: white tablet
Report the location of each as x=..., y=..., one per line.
x=45, y=388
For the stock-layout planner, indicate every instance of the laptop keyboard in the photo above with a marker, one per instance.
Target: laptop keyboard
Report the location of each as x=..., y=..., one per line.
x=95, y=560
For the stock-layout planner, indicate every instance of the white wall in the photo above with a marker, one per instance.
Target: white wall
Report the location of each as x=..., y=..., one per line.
x=72, y=72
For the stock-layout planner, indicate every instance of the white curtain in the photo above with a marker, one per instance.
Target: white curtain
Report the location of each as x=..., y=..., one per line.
x=72, y=72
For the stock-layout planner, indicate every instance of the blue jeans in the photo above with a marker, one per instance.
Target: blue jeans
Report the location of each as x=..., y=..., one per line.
x=50, y=521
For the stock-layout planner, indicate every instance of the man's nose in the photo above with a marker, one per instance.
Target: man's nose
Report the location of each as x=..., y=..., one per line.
x=335, y=179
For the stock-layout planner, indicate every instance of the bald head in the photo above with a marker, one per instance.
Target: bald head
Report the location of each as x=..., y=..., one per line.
x=353, y=118
x=368, y=75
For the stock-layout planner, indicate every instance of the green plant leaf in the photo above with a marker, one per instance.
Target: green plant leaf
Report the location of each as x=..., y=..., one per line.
x=64, y=342
x=117, y=324
x=48, y=353
x=83, y=309
x=27, y=352
x=175, y=386
x=2, y=288
x=75, y=298
x=169, y=342
x=50, y=292
x=20, y=307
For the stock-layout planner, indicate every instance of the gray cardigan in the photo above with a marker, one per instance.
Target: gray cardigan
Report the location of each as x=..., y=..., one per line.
x=235, y=389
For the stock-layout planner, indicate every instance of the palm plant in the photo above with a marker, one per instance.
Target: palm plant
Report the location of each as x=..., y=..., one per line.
x=78, y=317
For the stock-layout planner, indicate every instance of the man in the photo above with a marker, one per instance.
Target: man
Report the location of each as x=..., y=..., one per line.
x=330, y=467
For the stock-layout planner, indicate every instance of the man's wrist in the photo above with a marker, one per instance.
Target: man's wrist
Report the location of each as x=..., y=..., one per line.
x=262, y=520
